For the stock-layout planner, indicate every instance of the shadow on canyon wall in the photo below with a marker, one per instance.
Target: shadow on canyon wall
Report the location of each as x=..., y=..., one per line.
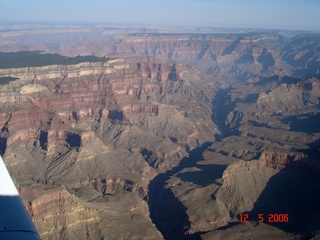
x=222, y=106
x=304, y=123
x=3, y=145
x=295, y=191
x=208, y=174
x=166, y=211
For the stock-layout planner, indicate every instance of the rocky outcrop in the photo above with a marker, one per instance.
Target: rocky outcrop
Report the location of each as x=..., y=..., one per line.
x=280, y=160
x=69, y=213
x=287, y=97
x=241, y=187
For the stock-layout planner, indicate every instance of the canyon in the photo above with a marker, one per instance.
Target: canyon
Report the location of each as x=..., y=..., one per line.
x=147, y=134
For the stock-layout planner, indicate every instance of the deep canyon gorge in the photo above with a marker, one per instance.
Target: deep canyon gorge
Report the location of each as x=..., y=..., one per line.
x=142, y=134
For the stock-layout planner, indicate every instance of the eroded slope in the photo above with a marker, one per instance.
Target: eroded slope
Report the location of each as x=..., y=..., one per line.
x=102, y=130
x=188, y=130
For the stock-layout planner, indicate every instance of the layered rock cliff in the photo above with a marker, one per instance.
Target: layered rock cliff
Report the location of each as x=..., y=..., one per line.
x=92, y=135
x=198, y=128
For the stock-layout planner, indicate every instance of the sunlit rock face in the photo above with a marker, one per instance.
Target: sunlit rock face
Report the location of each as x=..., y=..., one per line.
x=198, y=128
x=101, y=131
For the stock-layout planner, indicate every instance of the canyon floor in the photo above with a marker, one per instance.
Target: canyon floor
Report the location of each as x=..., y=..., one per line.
x=132, y=133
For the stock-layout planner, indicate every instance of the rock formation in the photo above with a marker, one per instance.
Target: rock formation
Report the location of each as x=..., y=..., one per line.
x=99, y=129
x=166, y=136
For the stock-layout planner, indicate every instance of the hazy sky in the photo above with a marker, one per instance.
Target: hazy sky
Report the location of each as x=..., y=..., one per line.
x=280, y=14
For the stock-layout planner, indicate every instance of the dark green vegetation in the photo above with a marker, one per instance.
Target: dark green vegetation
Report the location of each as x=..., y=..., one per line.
x=39, y=59
x=6, y=80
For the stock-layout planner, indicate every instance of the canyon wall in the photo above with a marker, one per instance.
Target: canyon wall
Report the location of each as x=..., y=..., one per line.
x=92, y=135
x=198, y=127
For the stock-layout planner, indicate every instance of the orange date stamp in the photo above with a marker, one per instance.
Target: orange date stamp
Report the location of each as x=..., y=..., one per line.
x=266, y=218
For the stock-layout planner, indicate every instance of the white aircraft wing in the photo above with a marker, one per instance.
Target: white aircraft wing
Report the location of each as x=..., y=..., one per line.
x=15, y=223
